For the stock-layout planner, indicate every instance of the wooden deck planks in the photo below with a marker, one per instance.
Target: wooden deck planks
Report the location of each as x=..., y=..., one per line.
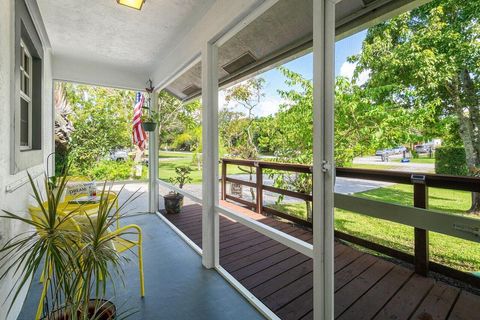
x=407, y=299
x=356, y=288
x=366, y=287
x=467, y=305
x=438, y=303
x=371, y=302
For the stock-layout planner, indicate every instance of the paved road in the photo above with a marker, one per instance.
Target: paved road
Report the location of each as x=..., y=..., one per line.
x=408, y=166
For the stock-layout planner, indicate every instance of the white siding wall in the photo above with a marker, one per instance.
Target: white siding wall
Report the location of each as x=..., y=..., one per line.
x=17, y=200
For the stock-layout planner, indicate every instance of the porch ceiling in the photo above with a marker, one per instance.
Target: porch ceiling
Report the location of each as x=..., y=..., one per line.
x=105, y=33
x=281, y=33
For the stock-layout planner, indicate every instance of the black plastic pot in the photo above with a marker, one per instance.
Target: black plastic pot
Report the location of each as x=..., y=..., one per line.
x=173, y=203
x=149, y=126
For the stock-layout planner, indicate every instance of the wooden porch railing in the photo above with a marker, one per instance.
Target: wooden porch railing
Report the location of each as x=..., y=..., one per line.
x=456, y=226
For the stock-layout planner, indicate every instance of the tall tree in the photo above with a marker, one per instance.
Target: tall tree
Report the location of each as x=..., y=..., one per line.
x=430, y=58
x=63, y=127
x=248, y=96
x=102, y=119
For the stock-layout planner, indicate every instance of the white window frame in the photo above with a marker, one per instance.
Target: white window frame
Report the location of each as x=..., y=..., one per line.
x=26, y=96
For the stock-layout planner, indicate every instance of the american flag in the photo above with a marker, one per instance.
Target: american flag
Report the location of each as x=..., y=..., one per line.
x=139, y=135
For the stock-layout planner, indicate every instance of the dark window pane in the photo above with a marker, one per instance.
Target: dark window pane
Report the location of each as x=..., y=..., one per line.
x=26, y=86
x=24, y=130
x=22, y=82
x=26, y=65
x=22, y=58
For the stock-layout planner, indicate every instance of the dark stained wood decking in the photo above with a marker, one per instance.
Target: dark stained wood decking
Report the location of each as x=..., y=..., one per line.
x=366, y=287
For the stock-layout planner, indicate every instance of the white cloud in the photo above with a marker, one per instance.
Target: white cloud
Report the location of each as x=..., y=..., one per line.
x=268, y=105
x=347, y=69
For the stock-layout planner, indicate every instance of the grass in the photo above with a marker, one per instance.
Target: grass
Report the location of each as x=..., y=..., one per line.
x=418, y=160
x=167, y=168
x=175, y=154
x=375, y=166
x=457, y=253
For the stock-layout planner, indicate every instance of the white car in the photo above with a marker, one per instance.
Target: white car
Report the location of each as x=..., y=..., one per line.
x=119, y=155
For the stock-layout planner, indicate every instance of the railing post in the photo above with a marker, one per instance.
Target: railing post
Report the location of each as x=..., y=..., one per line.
x=224, y=179
x=420, y=200
x=259, y=183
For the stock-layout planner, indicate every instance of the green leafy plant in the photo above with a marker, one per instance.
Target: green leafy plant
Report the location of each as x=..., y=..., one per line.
x=49, y=244
x=76, y=257
x=182, y=176
x=150, y=115
x=451, y=160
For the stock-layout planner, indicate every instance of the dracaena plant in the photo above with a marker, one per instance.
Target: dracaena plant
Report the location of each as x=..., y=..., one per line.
x=77, y=259
x=47, y=245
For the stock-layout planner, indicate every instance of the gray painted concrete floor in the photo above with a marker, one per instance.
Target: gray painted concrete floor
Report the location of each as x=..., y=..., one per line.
x=176, y=284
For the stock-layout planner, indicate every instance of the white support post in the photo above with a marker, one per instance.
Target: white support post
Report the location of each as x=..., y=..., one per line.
x=323, y=163
x=210, y=233
x=153, y=161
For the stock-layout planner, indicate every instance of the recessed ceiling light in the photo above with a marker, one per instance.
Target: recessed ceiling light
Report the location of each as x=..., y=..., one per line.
x=136, y=4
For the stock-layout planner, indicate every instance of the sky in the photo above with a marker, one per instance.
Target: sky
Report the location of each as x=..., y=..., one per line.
x=304, y=66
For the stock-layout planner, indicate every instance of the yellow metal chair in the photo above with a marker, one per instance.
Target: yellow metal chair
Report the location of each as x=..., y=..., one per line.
x=88, y=208
x=120, y=245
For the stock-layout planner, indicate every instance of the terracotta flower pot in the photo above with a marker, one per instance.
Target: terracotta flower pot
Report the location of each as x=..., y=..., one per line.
x=173, y=203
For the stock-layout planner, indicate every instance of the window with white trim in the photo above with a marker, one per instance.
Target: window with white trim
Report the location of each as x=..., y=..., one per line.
x=27, y=105
x=26, y=76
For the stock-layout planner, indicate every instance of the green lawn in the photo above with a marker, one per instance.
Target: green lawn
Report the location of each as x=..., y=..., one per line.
x=418, y=160
x=175, y=154
x=167, y=168
x=454, y=252
x=375, y=166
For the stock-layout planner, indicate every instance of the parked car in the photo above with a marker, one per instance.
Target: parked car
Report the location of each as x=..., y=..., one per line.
x=423, y=148
x=399, y=149
x=119, y=155
x=384, y=152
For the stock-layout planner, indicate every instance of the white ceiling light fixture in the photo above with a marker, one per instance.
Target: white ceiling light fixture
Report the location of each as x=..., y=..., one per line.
x=135, y=4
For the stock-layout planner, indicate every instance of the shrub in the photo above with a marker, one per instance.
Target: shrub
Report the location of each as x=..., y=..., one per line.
x=111, y=170
x=451, y=160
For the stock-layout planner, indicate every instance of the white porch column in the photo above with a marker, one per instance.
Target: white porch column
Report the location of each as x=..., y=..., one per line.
x=323, y=163
x=153, y=161
x=210, y=235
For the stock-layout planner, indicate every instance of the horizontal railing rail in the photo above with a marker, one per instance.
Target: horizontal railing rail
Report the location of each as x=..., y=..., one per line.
x=187, y=194
x=419, y=216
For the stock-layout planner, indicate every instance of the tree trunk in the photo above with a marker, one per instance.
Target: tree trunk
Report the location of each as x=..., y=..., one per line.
x=309, y=211
x=475, y=208
x=467, y=113
x=252, y=190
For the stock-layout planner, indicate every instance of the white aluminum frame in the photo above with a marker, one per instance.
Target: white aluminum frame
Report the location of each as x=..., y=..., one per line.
x=153, y=160
x=323, y=161
x=210, y=224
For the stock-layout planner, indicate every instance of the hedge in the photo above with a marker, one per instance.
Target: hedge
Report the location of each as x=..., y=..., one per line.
x=451, y=160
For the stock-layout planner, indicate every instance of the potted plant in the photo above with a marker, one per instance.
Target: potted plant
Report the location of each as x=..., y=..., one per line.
x=150, y=119
x=76, y=259
x=174, y=200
